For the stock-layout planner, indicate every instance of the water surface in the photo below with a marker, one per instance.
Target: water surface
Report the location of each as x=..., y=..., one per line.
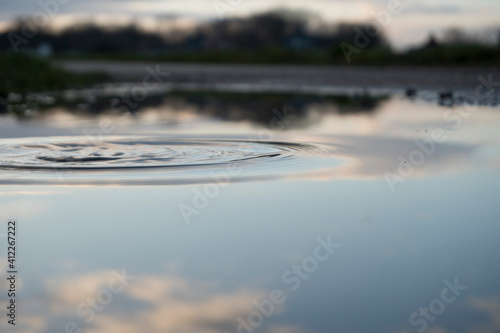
x=228, y=199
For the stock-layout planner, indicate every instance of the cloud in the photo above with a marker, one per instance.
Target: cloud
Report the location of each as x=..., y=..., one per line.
x=438, y=9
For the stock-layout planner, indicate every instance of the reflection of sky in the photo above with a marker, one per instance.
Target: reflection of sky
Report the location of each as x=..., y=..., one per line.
x=397, y=248
x=396, y=251
x=413, y=25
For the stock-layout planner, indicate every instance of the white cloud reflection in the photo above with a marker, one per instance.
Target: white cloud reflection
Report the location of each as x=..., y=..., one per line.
x=152, y=303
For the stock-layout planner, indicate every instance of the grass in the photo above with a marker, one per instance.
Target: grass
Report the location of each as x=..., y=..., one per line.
x=445, y=55
x=23, y=73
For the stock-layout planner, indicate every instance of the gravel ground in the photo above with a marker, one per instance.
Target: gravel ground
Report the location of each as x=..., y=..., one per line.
x=446, y=85
x=333, y=76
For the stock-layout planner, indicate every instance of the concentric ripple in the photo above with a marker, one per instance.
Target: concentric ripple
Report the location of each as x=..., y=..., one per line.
x=131, y=160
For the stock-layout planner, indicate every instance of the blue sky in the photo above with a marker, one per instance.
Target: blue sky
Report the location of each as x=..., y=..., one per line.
x=417, y=19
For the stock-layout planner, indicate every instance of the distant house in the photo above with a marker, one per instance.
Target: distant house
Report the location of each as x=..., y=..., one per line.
x=44, y=50
x=299, y=41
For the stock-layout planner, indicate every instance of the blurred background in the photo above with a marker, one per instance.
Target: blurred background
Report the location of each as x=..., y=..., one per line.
x=75, y=35
x=255, y=31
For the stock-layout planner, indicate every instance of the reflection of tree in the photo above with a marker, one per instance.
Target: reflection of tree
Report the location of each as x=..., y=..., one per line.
x=256, y=108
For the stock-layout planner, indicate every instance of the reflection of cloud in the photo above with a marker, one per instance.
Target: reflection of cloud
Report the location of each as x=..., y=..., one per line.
x=380, y=154
x=491, y=307
x=21, y=209
x=150, y=303
x=76, y=290
x=436, y=329
x=28, y=324
x=176, y=305
x=287, y=329
x=12, y=193
x=370, y=157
